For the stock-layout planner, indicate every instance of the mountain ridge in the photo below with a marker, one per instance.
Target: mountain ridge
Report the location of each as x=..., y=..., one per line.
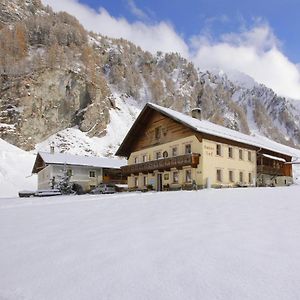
x=55, y=75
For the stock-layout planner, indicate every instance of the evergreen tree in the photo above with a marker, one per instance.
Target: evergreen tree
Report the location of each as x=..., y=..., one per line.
x=64, y=184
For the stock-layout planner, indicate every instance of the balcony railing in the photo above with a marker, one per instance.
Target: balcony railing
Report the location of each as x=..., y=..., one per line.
x=163, y=164
x=277, y=171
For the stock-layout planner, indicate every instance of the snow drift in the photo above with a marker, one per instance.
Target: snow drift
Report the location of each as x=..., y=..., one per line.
x=15, y=170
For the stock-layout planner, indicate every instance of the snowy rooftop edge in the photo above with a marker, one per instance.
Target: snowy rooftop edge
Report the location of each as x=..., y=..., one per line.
x=78, y=160
x=205, y=126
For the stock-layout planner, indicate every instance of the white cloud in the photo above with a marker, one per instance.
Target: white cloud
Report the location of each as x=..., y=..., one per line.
x=137, y=11
x=254, y=51
x=152, y=37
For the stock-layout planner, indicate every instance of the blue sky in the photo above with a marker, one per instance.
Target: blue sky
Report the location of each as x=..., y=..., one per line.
x=189, y=17
x=257, y=38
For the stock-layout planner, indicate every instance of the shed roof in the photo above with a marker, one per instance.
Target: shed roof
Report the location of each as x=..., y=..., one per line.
x=77, y=160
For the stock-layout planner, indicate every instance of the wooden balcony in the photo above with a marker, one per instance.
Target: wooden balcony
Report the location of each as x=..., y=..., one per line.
x=163, y=164
x=276, y=171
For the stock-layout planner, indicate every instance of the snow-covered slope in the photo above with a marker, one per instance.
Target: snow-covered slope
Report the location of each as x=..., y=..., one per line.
x=15, y=170
x=74, y=141
x=229, y=244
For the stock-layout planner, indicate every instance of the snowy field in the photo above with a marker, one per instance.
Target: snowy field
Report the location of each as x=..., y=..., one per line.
x=210, y=244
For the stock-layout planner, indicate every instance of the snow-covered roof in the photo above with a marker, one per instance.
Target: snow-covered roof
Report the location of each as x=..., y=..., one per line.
x=77, y=160
x=274, y=157
x=223, y=132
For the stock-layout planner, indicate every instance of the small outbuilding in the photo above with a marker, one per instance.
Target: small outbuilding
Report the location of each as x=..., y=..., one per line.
x=86, y=171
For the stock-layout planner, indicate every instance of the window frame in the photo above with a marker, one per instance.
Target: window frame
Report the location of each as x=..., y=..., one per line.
x=218, y=147
x=230, y=148
x=241, y=154
x=231, y=178
x=157, y=132
x=173, y=177
x=250, y=179
x=136, y=181
x=190, y=176
x=145, y=180
x=188, y=146
x=176, y=151
x=249, y=155
x=92, y=171
x=241, y=176
x=156, y=155
x=219, y=176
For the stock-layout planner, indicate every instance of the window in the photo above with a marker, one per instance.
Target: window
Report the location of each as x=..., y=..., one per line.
x=188, y=149
x=250, y=178
x=165, y=154
x=136, y=160
x=145, y=180
x=158, y=155
x=241, y=154
x=69, y=172
x=219, y=175
x=175, y=177
x=231, y=178
x=249, y=156
x=157, y=132
x=218, y=150
x=136, y=181
x=93, y=174
x=174, y=151
x=241, y=177
x=188, y=176
x=230, y=152
x=166, y=176
x=144, y=158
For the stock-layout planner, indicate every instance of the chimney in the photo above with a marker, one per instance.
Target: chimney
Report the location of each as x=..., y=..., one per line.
x=52, y=149
x=196, y=113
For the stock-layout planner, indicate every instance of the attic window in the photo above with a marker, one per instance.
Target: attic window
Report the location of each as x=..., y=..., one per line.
x=158, y=132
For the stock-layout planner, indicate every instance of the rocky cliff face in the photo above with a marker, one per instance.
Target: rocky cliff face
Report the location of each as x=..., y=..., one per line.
x=40, y=104
x=55, y=75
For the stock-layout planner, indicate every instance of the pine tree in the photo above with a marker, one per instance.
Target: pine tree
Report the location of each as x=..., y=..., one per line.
x=64, y=184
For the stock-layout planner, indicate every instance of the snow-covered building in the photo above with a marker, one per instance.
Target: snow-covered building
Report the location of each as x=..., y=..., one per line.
x=169, y=150
x=86, y=171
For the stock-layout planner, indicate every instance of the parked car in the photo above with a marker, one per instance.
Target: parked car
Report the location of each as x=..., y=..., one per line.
x=26, y=194
x=104, y=188
x=47, y=193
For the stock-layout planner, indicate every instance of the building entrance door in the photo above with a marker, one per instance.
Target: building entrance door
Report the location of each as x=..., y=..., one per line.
x=159, y=182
